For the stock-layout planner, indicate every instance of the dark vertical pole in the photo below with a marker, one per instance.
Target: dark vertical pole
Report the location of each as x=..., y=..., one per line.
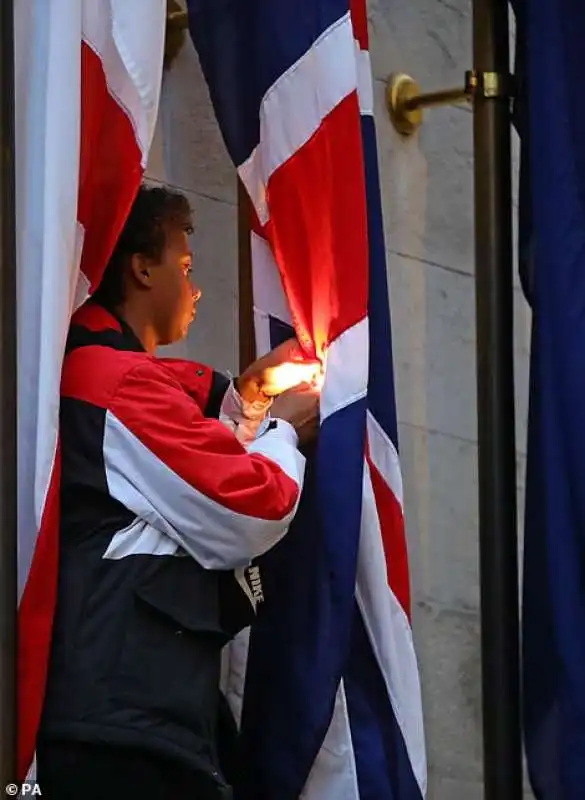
x=8, y=543
x=246, y=302
x=496, y=428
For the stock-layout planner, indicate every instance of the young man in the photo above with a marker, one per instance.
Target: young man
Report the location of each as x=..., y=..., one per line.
x=173, y=480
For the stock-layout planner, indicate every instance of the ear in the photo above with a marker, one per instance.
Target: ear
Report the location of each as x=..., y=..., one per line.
x=141, y=270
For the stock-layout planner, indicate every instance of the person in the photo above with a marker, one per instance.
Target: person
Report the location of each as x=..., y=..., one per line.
x=174, y=479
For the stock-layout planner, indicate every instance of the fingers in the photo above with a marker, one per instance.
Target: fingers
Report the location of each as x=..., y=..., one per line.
x=287, y=351
x=305, y=391
x=290, y=350
x=297, y=405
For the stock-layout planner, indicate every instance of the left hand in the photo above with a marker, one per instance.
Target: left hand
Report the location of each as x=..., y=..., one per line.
x=283, y=368
x=300, y=407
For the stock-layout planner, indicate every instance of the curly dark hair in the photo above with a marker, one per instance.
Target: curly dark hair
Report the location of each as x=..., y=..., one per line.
x=154, y=211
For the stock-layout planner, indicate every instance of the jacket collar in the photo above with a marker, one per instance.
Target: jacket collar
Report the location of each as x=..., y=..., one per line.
x=93, y=324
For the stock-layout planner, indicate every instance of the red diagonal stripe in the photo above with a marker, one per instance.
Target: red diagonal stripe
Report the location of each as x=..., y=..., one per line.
x=393, y=538
x=318, y=228
x=359, y=21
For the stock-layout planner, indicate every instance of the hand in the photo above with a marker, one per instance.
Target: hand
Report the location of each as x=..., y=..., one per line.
x=276, y=372
x=300, y=407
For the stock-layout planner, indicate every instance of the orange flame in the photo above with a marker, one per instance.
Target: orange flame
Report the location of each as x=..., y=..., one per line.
x=293, y=373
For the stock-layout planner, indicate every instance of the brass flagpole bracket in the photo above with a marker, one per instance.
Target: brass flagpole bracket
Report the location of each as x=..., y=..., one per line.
x=406, y=102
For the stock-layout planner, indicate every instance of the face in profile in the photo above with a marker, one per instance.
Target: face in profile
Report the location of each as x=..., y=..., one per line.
x=174, y=295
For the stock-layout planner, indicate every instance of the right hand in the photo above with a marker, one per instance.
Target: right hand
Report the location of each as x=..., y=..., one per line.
x=283, y=368
x=299, y=407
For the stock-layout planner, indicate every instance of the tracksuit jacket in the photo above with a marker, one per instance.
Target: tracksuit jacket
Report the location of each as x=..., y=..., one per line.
x=170, y=487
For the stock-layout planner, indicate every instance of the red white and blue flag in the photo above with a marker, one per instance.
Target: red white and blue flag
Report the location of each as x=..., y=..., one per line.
x=87, y=85
x=326, y=687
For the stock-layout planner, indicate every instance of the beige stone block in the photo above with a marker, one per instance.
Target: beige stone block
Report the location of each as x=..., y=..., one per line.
x=195, y=157
x=434, y=339
x=441, y=508
x=522, y=339
x=428, y=178
x=448, y=647
x=433, y=326
x=449, y=651
x=155, y=168
x=452, y=789
x=440, y=475
x=427, y=186
x=429, y=39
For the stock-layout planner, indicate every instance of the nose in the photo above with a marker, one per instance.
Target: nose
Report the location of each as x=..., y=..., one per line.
x=196, y=294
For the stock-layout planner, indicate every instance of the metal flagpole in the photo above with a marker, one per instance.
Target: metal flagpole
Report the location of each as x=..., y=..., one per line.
x=496, y=428
x=246, y=300
x=8, y=535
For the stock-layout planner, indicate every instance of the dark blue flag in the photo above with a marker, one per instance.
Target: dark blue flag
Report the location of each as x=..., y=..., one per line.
x=551, y=121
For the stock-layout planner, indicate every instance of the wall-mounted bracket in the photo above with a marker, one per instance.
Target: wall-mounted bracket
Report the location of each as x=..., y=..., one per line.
x=406, y=102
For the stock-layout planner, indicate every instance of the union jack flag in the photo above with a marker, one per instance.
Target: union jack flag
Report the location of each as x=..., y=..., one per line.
x=87, y=85
x=326, y=687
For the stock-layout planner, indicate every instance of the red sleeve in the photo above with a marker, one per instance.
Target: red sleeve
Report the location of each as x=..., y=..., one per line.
x=195, y=379
x=190, y=477
x=205, y=385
